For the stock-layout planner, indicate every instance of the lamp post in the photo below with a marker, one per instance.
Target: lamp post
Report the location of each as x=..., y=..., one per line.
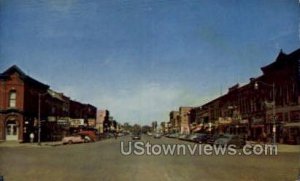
x=39, y=117
x=273, y=106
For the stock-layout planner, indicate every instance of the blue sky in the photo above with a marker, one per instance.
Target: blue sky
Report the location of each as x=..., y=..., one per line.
x=140, y=58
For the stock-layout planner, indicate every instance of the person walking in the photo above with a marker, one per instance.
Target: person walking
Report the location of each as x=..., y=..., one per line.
x=31, y=137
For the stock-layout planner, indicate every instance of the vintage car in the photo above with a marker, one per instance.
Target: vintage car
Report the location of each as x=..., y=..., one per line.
x=74, y=139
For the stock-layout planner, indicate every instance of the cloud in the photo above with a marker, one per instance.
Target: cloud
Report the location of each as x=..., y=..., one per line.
x=143, y=104
x=140, y=104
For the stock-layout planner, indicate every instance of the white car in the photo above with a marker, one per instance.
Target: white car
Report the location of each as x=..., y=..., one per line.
x=157, y=135
x=74, y=139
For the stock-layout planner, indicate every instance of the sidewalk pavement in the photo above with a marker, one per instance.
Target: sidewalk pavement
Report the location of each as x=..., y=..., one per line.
x=281, y=147
x=288, y=148
x=35, y=144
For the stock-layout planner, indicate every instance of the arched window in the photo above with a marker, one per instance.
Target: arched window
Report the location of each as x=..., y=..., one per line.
x=12, y=98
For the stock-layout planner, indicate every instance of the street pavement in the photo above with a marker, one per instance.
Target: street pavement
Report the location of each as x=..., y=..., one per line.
x=103, y=161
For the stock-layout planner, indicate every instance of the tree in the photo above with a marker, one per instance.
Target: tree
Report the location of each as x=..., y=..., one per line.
x=146, y=128
x=137, y=128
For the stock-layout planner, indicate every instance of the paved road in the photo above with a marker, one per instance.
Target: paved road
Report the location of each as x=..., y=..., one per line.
x=104, y=161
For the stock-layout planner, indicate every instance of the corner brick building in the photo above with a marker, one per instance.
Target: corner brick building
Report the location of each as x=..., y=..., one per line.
x=18, y=103
x=23, y=100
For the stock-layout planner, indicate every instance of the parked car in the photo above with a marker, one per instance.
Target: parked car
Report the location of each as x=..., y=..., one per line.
x=213, y=138
x=74, y=139
x=192, y=136
x=227, y=139
x=183, y=136
x=201, y=138
x=88, y=135
x=157, y=135
x=174, y=135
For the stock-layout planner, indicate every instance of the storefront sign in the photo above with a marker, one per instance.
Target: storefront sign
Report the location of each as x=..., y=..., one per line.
x=76, y=122
x=51, y=119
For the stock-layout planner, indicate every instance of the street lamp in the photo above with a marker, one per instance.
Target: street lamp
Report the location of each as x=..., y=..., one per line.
x=273, y=106
x=39, y=117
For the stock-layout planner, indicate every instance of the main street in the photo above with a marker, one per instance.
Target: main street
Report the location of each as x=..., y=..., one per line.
x=103, y=161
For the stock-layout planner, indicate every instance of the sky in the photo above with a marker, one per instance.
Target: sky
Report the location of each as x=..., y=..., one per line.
x=141, y=59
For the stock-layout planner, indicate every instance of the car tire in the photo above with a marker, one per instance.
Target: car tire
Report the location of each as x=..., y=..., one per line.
x=70, y=142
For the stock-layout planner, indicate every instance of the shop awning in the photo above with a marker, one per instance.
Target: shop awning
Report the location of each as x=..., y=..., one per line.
x=257, y=126
x=295, y=124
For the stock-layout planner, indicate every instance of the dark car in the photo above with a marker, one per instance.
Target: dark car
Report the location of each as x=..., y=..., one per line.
x=183, y=136
x=213, y=138
x=201, y=138
x=136, y=136
x=226, y=140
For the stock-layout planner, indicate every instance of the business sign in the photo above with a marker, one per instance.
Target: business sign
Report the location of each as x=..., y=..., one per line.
x=76, y=122
x=51, y=118
x=92, y=122
x=62, y=122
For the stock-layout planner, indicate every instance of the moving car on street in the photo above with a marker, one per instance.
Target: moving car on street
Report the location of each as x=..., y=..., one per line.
x=157, y=135
x=136, y=136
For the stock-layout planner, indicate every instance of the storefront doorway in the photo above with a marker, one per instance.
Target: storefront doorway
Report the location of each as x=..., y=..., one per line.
x=12, y=131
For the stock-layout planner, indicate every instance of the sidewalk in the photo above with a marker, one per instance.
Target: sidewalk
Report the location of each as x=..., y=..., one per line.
x=17, y=144
x=285, y=148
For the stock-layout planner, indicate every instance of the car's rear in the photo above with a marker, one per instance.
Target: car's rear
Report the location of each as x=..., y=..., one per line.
x=136, y=136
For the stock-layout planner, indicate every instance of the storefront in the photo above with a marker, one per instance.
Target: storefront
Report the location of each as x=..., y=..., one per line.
x=13, y=128
x=291, y=133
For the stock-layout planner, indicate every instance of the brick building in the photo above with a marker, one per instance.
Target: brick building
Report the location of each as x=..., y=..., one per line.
x=174, y=121
x=19, y=97
x=24, y=101
x=101, y=115
x=184, y=119
x=248, y=109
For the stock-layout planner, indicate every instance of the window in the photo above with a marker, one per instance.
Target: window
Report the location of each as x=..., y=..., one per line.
x=12, y=98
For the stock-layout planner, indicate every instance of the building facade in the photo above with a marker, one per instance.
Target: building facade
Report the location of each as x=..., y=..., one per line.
x=29, y=106
x=184, y=119
x=19, y=100
x=174, y=121
x=266, y=105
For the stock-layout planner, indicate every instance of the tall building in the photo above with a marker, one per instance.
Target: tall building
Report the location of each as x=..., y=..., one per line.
x=101, y=114
x=184, y=119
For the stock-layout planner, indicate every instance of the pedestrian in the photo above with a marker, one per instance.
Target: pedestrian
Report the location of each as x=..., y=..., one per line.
x=264, y=137
x=31, y=137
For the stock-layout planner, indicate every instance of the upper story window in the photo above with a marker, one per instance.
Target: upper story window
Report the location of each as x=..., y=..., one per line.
x=12, y=98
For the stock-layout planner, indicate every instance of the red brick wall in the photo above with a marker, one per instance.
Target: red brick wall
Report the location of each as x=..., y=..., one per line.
x=14, y=83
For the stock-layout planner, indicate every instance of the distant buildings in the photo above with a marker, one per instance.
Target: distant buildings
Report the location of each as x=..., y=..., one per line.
x=248, y=110
x=24, y=101
x=101, y=115
x=184, y=119
x=174, y=121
